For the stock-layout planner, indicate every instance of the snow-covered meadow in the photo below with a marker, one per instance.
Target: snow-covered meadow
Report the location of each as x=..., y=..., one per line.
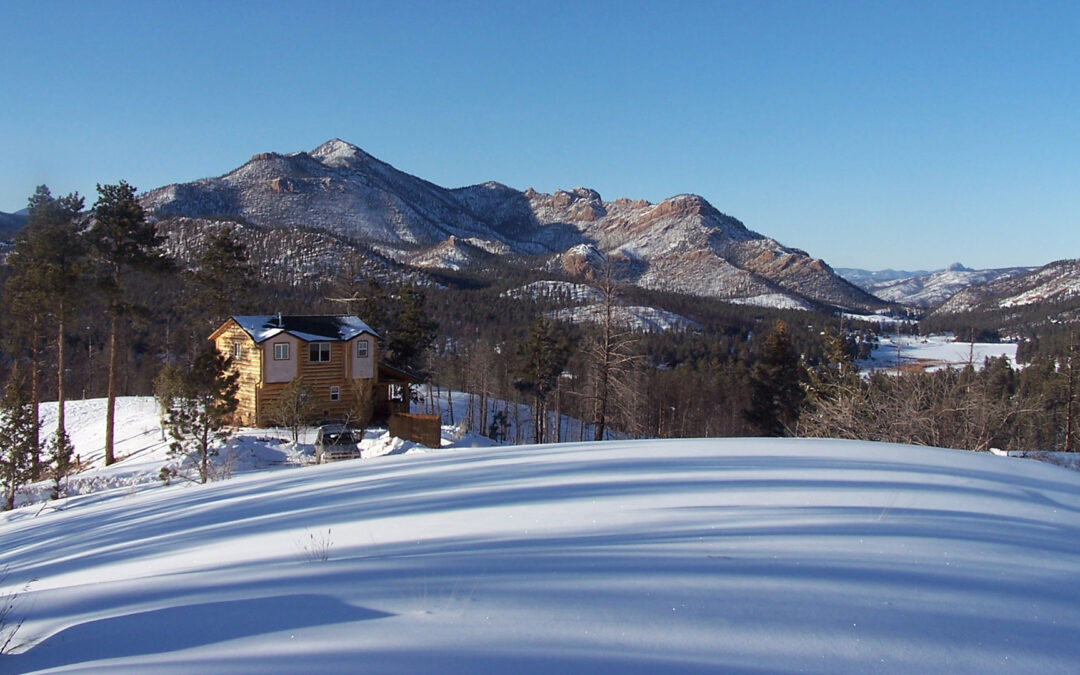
x=934, y=352
x=728, y=555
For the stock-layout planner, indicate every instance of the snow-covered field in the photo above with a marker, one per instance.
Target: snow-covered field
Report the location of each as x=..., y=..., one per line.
x=627, y=556
x=141, y=451
x=935, y=351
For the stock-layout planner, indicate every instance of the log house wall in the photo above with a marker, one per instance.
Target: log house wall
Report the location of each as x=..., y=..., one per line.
x=256, y=396
x=249, y=365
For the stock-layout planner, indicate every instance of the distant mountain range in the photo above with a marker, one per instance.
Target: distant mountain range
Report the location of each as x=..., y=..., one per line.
x=925, y=289
x=10, y=223
x=1053, y=285
x=308, y=215
x=681, y=244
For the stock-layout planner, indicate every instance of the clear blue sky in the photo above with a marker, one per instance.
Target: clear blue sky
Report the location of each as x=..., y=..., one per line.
x=870, y=134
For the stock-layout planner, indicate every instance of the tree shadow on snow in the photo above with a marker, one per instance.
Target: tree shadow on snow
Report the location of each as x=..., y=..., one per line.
x=186, y=626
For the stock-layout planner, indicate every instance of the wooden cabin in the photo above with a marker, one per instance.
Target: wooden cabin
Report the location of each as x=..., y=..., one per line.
x=336, y=356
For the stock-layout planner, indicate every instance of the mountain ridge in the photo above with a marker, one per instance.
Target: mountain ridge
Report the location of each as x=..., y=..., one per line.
x=682, y=243
x=926, y=290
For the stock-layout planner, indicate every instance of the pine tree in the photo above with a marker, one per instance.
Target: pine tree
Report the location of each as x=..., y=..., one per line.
x=206, y=398
x=17, y=431
x=45, y=284
x=61, y=453
x=59, y=253
x=834, y=393
x=221, y=279
x=776, y=385
x=410, y=332
x=543, y=357
x=122, y=243
x=168, y=386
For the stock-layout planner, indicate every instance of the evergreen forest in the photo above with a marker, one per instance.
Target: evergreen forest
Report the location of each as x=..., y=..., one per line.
x=94, y=306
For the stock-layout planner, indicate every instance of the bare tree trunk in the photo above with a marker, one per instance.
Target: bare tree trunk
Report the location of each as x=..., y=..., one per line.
x=35, y=398
x=558, y=410
x=60, y=428
x=110, y=404
x=484, y=395
x=1070, y=399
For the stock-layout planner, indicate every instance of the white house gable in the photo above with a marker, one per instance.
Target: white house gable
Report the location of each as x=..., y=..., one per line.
x=281, y=353
x=362, y=351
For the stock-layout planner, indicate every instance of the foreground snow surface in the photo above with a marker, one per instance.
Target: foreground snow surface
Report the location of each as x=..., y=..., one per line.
x=629, y=556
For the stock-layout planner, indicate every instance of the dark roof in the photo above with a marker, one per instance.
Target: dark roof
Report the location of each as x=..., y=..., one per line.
x=307, y=328
x=392, y=375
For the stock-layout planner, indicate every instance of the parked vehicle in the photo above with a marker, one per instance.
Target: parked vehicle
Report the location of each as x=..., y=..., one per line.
x=335, y=441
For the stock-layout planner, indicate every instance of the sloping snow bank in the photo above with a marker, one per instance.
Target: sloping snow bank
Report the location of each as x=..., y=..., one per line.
x=141, y=449
x=647, y=556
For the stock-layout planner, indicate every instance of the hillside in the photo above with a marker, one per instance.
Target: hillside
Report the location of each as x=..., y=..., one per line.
x=681, y=244
x=1052, y=287
x=926, y=290
x=649, y=556
x=10, y=223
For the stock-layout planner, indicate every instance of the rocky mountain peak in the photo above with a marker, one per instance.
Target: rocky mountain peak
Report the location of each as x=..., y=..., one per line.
x=681, y=244
x=685, y=205
x=338, y=153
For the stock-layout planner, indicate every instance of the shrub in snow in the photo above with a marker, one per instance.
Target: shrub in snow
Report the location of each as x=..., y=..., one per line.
x=18, y=430
x=61, y=453
x=196, y=417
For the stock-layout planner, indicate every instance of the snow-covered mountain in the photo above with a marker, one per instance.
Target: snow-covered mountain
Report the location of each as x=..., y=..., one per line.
x=681, y=244
x=862, y=278
x=285, y=255
x=1053, y=284
x=926, y=289
x=585, y=304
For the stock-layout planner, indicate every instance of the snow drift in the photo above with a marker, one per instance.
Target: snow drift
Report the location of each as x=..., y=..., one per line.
x=647, y=556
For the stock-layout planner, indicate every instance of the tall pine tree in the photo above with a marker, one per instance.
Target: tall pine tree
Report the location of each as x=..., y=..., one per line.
x=45, y=285
x=542, y=358
x=220, y=281
x=122, y=243
x=776, y=385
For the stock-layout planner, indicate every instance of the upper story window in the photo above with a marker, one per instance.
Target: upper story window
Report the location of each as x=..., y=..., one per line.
x=362, y=349
x=281, y=351
x=319, y=352
x=237, y=349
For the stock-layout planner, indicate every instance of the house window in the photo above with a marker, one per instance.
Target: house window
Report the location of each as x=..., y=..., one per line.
x=335, y=393
x=281, y=351
x=397, y=392
x=361, y=349
x=237, y=349
x=319, y=352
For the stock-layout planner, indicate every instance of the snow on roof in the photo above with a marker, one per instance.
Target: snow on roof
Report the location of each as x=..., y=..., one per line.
x=308, y=328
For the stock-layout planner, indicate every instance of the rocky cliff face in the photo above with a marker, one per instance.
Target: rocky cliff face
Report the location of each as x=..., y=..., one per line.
x=680, y=244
